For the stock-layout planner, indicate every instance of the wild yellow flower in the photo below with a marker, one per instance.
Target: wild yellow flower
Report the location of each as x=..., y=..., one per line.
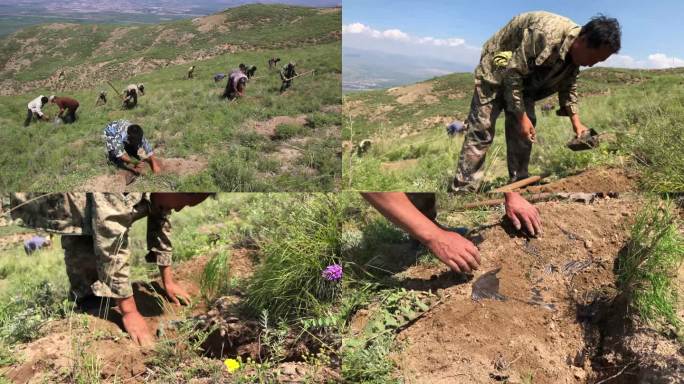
x=232, y=365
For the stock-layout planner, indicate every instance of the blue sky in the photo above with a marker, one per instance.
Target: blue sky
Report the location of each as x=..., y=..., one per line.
x=651, y=34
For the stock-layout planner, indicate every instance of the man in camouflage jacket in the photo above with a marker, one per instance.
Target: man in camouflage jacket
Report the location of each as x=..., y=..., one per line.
x=94, y=229
x=534, y=56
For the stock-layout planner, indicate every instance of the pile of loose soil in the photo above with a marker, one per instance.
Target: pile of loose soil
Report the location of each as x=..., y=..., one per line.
x=540, y=326
x=592, y=180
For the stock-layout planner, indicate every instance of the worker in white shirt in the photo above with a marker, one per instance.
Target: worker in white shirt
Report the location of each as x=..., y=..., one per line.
x=131, y=94
x=34, y=109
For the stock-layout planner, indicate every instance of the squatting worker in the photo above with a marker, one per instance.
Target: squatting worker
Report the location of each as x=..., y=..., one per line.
x=124, y=141
x=94, y=229
x=237, y=82
x=534, y=56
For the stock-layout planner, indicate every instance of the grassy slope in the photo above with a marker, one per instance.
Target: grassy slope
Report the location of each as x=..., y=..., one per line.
x=188, y=118
x=641, y=107
x=249, y=27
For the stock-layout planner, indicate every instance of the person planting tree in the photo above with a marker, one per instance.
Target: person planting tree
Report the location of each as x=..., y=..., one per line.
x=94, y=229
x=536, y=55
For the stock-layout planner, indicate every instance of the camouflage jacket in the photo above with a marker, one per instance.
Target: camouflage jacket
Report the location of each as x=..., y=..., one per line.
x=287, y=72
x=528, y=58
x=104, y=215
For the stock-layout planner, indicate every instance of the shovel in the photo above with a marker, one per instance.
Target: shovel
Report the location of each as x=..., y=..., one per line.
x=588, y=140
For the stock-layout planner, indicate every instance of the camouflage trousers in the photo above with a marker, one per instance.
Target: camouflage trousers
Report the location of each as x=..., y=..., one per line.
x=481, y=124
x=97, y=263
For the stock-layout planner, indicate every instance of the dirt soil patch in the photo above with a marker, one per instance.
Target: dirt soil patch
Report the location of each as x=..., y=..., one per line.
x=593, y=180
x=546, y=286
x=52, y=357
x=9, y=241
x=209, y=23
x=116, y=182
x=399, y=165
x=268, y=128
x=413, y=93
x=59, y=26
x=183, y=167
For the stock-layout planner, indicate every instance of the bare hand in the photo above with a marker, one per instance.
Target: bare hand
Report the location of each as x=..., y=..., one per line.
x=527, y=129
x=523, y=214
x=459, y=253
x=580, y=129
x=177, y=294
x=136, y=327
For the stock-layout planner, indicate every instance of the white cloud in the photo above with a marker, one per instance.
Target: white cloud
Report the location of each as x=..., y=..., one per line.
x=396, y=41
x=660, y=60
x=355, y=28
x=397, y=34
x=654, y=61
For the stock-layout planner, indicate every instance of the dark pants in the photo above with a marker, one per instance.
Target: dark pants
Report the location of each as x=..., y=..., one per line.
x=229, y=93
x=130, y=151
x=29, y=117
x=286, y=84
x=131, y=101
x=69, y=117
x=479, y=137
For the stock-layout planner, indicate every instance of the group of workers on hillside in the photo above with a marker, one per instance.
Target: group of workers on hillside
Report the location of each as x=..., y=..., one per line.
x=124, y=140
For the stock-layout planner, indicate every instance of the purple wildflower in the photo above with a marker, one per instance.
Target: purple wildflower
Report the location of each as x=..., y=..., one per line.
x=332, y=272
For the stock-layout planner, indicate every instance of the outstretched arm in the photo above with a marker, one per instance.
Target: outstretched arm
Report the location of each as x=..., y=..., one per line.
x=452, y=249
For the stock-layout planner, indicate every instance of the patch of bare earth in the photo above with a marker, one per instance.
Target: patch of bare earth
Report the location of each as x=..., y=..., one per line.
x=116, y=182
x=59, y=26
x=268, y=127
x=9, y=241
x=544, y=327
x=420, y=92
x=329, y=10
x=209, y=23
x=436, y=120
x=399, y=165
x=592, y=180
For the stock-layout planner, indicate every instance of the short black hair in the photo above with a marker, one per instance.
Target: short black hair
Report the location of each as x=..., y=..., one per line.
x=135, y=133
x=602, y=31
x=44, y=99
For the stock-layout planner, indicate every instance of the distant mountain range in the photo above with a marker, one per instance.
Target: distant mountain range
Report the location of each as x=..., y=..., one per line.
x=18, y=14
x=363, y=69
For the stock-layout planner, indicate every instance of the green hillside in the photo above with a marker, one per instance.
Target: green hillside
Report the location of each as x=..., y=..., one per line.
x=638, y=111
x=89, y=52
x=186, y=119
